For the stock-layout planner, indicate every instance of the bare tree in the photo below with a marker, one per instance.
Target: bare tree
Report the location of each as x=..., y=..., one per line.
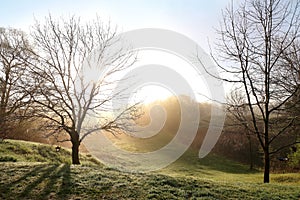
x=14, y=98
x=291, y=61
x=239, y=116
x=254, y=37
x=79, y=65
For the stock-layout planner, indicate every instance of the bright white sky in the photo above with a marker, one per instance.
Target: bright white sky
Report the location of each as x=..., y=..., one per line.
x=193, y=18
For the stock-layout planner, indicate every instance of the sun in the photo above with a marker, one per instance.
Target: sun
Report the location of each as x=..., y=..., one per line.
x=152, y=92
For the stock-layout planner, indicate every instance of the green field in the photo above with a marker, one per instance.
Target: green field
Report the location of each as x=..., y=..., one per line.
x=36, y=171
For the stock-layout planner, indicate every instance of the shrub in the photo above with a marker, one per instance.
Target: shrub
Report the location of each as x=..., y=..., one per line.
x=294, y=157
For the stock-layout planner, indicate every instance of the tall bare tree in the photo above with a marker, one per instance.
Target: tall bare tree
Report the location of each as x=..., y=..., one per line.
x=14, y=97
x=254, y=38
x=79, y=65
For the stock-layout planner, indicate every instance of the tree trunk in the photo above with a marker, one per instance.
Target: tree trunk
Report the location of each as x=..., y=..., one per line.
x=75, y=154
x=250, y=152
x=267, y=165
x=75, y=148
x=267, y=144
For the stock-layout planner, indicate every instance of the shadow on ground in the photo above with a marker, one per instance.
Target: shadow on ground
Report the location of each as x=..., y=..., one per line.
x=36, y=182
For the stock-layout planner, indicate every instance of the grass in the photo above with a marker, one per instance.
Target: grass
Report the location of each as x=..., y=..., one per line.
x=221, y=170
x=188, y=178
x=23, y=151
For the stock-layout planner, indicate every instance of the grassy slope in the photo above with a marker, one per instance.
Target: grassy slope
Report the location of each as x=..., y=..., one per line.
x=23, y=151
x=209, y=178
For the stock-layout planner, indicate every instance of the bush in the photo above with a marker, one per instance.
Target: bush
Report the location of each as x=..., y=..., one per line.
x=294, y=157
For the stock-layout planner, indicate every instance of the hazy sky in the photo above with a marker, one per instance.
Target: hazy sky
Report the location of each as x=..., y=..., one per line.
x=194, y=18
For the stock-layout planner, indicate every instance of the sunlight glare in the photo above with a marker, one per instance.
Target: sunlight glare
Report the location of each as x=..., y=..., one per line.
x=154, y=91
x=151, y=93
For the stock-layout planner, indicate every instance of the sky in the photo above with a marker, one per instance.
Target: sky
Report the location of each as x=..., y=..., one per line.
x=196, y=19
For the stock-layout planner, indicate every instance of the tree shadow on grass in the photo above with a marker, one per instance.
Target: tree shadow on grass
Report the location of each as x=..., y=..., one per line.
x=31, y=173
x=46, y=173
x=41, y=182
x=58, y=183
x=65, y=187
x=11, y=188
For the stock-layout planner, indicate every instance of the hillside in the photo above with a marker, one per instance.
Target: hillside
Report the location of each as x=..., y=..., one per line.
x=52, y=177
x=23, y=151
